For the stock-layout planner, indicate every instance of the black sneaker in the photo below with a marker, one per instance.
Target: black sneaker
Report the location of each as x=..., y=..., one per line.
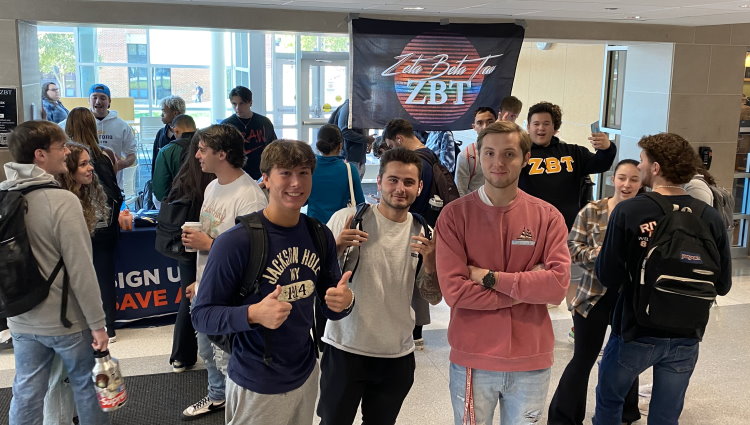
x=202, y=407
x=7, y=345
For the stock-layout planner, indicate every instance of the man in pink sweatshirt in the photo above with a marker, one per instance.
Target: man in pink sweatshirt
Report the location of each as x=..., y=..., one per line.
x=502, y=256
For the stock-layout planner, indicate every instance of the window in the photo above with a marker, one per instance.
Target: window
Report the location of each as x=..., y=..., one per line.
x=162, y=82
x=138, y=83
x=615, y=85
x=137, y=53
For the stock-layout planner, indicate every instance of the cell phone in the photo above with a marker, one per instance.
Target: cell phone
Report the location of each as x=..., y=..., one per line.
x=595, y=127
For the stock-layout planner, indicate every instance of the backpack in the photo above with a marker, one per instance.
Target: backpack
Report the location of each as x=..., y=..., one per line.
x=172, y=216
x=253, y=224
x=443, y=189
x=357, y=224
x=105, y=172
x=22, y=286
x=676, y=285
x=723, y=202
x=472, y=158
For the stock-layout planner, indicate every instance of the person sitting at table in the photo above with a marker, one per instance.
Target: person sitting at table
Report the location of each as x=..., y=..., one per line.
x=189, y=184
x=81, y=127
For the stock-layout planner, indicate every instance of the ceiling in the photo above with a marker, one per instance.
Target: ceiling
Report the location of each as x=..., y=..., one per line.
x=667, y=12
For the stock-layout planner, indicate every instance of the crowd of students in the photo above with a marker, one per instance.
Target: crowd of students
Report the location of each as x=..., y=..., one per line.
x=498, y=255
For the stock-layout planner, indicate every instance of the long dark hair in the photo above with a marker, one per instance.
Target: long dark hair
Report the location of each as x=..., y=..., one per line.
x=45, y=88
x=190, y=182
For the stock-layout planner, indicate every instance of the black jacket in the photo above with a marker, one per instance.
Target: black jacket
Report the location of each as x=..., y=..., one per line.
x=556, y=174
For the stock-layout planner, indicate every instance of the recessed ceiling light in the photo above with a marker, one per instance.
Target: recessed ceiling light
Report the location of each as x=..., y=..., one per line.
x=745, y=6
x=413, y=8
x=633, y=17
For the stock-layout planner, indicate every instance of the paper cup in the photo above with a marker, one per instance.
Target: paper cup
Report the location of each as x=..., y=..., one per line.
x=191, y=225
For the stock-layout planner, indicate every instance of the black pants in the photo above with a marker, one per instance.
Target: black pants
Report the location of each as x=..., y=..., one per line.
x=184, y=343
x=104, y=264
x=381, y=384
x=568, y=405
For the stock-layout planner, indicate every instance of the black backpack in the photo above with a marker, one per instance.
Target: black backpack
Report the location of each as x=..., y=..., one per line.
x=357, y=224
x=253, y=223
x=172, y=215
x=442, y=190
x=22, y=286
x=105, y=172
x=676, y=285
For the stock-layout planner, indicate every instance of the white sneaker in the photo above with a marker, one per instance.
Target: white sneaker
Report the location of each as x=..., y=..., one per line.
x=419, y=344
x=202, y=407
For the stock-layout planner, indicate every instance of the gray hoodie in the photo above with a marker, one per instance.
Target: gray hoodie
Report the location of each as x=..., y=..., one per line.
x=56, y=228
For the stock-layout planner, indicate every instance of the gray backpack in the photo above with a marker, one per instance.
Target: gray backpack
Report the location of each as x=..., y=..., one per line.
x=723, y=202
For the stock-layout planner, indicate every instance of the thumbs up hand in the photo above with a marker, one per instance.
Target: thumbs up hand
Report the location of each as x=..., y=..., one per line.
x=269, y=312
x=341, y=297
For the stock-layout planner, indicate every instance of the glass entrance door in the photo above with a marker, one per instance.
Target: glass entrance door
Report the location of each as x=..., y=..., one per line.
x=324, y=85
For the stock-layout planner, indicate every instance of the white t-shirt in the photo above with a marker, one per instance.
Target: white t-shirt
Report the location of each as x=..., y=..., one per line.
x=222, y=203
x=382, y=320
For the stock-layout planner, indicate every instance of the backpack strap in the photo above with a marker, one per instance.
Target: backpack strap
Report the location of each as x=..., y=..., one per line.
x=59, y=266
x=253, y=271
x=65, y=287
x=357, y=224
x=668, y=208
x=320, y=240
x=472, y=168
x=427, y=233
x=259, y=243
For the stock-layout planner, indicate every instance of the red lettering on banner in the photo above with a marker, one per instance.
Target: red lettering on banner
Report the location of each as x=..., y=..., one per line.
x=143, y=301
x=160, y=297
x=128, y=303
x=140, y=300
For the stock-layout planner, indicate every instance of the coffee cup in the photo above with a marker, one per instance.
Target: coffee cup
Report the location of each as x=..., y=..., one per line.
x=191, y=225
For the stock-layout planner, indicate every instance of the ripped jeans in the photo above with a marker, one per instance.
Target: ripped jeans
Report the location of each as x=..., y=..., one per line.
x=522, y=395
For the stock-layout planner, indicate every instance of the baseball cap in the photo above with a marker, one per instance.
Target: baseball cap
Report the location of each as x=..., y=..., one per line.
x=100, y=88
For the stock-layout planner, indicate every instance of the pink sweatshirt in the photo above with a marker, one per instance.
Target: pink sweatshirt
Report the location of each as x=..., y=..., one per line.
x=486, y=331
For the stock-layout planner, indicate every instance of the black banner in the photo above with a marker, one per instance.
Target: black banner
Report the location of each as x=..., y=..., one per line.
x=433, y=75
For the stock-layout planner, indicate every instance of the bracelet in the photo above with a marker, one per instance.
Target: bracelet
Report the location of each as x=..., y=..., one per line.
x=351, y=304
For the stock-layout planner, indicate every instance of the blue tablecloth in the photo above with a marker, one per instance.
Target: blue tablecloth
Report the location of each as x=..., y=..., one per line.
x=148, y=283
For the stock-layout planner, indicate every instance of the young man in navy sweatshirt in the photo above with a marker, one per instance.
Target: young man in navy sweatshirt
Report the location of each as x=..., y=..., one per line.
x=273, y=372
x=667, y=163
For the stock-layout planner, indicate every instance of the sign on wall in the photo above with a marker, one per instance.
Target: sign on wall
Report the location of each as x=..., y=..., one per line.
x=8, y=113
x=433, y=75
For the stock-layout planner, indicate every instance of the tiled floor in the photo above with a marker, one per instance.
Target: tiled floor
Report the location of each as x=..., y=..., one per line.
x=718, y=393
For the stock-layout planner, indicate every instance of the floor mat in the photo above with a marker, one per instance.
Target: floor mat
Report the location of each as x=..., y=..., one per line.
x=152, y=399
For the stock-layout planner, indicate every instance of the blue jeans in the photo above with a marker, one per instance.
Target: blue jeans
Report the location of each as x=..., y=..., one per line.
x=522, y=395
x=216, y=379
x=673, y=360
x=59, y=404
x=34, y=355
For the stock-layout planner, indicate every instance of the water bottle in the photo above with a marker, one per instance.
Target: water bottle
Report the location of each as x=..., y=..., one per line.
x=110, y=387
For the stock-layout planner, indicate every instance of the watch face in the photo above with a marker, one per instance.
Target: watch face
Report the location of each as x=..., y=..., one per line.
x=489, y=279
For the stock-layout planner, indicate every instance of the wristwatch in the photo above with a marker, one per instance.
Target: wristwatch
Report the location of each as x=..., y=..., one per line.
x=488, y=281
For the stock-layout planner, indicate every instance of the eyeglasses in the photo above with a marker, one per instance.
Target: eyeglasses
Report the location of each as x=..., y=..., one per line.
x=53, y=89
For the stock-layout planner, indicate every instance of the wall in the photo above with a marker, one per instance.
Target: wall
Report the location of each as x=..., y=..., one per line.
x=569, y=75
x=705, y=102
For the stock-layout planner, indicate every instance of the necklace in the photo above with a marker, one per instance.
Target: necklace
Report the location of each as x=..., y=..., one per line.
x=667, y=185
